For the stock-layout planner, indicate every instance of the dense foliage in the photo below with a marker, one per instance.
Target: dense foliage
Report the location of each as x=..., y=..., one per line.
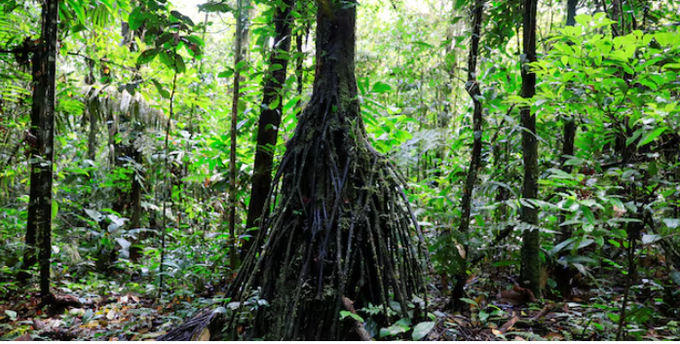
x=160, y=117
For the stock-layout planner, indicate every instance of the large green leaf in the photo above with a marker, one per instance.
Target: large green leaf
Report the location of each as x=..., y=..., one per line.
x=421, y=330
x=147, y=56
x=649, y=137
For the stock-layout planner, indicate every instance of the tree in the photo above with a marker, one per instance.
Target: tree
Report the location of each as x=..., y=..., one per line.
x=530, y=258
x=42, y=155
x=473, y=89
x=240, y=43
x=564, y=274
x=341, y=226
x=270, y=119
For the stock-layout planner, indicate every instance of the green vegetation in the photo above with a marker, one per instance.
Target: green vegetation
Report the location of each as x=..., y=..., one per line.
x=382, y=169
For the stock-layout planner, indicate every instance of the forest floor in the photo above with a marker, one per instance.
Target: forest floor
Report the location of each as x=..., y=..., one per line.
x=108, y=311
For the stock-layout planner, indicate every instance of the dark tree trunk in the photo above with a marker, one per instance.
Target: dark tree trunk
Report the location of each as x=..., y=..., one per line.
x=42, y=158
x=270, y=119
x=563, y=274
x=341, y=226
x=530, y=274
x=37, y=110
x=473, y=89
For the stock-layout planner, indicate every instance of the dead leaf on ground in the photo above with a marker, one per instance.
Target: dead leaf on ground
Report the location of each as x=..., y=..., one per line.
x=510, y=323
x=23, y=338
x=203, y=337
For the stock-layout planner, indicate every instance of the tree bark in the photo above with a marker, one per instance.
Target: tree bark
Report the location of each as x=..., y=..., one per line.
x=563, y=274
x=270, y=119
x=241, y=34
x=341, y=225
x=473, y=89
x=42, y=158
x=530, y=259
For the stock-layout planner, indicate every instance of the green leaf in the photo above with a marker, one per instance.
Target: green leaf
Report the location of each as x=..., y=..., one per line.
x=344, y=314
x=651, y=136
x=136, y=18
x=180, y=67
x=147, y=56
x=226, y=74
x=215, y=7
x=182, y=17
x=675, y=275
x=55, y=208
x=650, y=238
x=671, y=223
x=275, y=103
x=468, y=301
x=11, y=314
x=195, y=39
x=400, y=326
x=588, y=214
x=380, y=87
x=421, y=330
x=164, y=93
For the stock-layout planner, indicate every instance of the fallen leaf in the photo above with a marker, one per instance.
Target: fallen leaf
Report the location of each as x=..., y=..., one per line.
x=554, y=336
x=518, y=338
x=23, y=338
x=508, y=324
x=204, y=336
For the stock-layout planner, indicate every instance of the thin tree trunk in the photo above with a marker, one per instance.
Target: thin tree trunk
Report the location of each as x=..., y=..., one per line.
x=530, y=258
x=270, y=119
x=473, y=89
x=241, y=34
x=35, y=143
x=563, y=275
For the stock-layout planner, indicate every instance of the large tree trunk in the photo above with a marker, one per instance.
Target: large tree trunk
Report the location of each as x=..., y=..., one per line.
x=42, y=158
x=341, y=225
x=473, y=89
x=530, y=258
x=270, y=119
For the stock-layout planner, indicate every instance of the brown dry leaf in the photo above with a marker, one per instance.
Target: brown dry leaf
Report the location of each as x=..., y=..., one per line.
x=23, y=338
x=554, y=336
x=112, y=313
x=518, y=338
x=204, y=336
x=516, y=296
x=496, y=332
x=479, y=299
x=461, y=250
x=38, y=325
x=508, y=324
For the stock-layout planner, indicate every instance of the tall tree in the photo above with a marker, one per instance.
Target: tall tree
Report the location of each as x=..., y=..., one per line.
x=241, y=42
x=42, y=155
x=530, y=260
x=564, y=274
x=473, y=89
x=270, y=119
x=341, y=228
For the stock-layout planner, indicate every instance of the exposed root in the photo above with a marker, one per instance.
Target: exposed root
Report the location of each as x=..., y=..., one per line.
x=193, y=328
x=342, y=226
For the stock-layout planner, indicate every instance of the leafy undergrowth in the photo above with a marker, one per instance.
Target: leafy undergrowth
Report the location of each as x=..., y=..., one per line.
x=592, y=314
x=109, y=311
x=117, y=314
